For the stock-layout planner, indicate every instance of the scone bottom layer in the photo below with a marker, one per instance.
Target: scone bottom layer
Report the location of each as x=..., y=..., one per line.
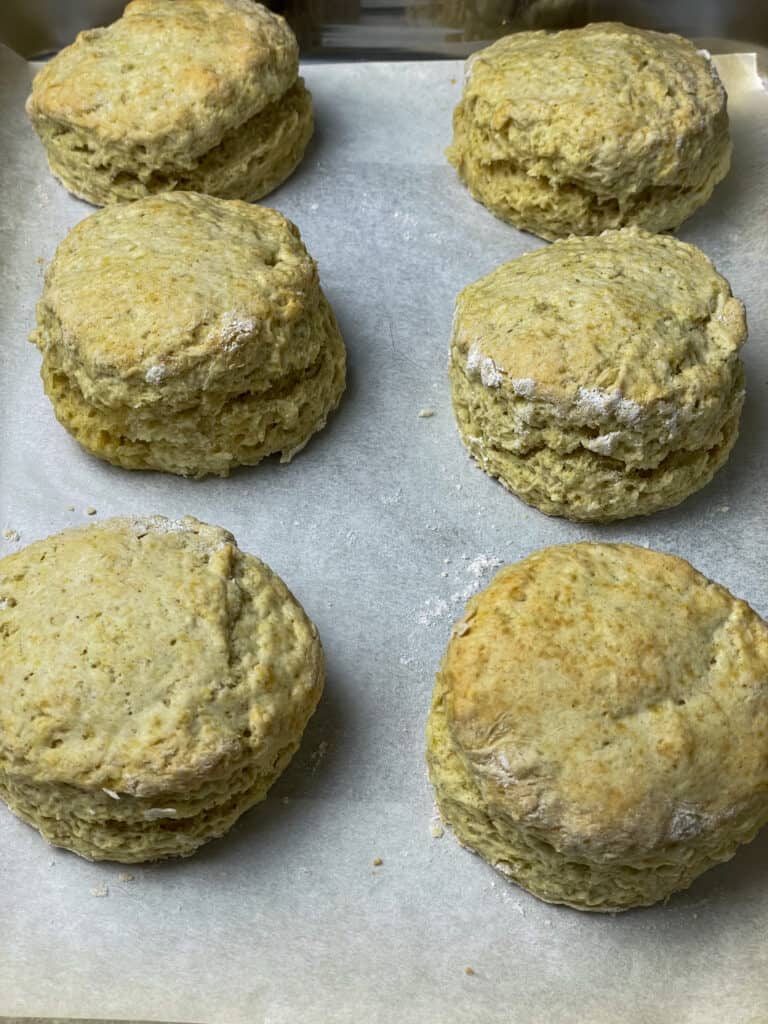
x=599, y=727
x=154, y=682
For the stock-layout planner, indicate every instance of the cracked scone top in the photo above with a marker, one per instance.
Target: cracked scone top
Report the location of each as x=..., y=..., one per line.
x=154, y=682
x=599, y=377
x=190, y=94
x=599, y=729
x=577, y=131
x=188, y=334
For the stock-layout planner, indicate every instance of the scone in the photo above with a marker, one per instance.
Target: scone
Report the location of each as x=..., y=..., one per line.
x=599, y=729
x=154, y=682
x=600, y=127
x=196, y=95
x=599, y=378
x=188, y=334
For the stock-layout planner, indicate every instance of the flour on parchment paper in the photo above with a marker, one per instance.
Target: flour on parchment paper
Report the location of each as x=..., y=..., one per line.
x=470, y=574
x=470, y=578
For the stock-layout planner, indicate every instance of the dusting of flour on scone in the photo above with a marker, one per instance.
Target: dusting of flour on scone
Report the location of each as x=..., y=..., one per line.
x=599, y=378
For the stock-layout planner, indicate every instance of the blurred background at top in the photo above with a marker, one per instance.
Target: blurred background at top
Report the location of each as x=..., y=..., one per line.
x=415, y=29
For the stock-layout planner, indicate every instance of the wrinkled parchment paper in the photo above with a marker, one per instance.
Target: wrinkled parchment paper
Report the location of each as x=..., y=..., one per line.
x=382, y=527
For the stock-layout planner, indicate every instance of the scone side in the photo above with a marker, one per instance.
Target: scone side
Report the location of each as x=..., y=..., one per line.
x=552, y=208
x=240, y=430
x=248, y=162
x=582, y=485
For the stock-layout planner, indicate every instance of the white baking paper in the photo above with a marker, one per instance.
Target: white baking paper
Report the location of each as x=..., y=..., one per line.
x=382, y=527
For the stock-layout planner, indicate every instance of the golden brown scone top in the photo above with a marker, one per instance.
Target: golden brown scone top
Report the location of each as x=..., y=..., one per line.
x=612, y=697
x=177, y=291
x=627, y=313
x=173, y=75
x=603, y=106
x=145, y=654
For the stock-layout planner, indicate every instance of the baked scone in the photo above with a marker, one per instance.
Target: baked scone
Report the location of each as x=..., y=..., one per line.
x=196, y=95
x=154, y=682
x=188, y=334
x=600, y=127
x=599, y=378
x=599, y=729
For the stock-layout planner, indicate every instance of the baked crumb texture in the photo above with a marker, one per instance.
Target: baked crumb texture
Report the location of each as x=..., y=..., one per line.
x=599, y=378
x=188, y=334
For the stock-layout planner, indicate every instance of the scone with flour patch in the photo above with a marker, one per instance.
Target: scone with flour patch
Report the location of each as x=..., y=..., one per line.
x=599, y=378
x=188, y=334
x=197, y=95
x=599, y=728
x=154, y=682
x=600, y=127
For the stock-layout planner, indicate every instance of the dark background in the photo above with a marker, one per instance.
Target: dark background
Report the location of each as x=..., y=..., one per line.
x=385, y=30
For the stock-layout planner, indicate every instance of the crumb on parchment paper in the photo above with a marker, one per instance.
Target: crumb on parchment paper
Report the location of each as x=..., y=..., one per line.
x=317, y=755
x=10, y=534
x=100, y=890
x=425, y=414
x=470, y=971
x=90, y=511
x=377, y=862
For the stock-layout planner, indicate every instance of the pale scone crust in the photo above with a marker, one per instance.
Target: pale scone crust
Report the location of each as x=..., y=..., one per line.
x=188, y=94
x=600, y=378
x=599, y=730
x=581, y=130
x=156, y=680
x=193, y=324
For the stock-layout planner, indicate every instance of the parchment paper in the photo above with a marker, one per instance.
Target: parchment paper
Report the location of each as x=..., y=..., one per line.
x=382, y=527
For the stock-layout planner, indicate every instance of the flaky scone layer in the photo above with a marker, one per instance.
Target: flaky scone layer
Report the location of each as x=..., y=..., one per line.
x=221, y=431
x=248, y=162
